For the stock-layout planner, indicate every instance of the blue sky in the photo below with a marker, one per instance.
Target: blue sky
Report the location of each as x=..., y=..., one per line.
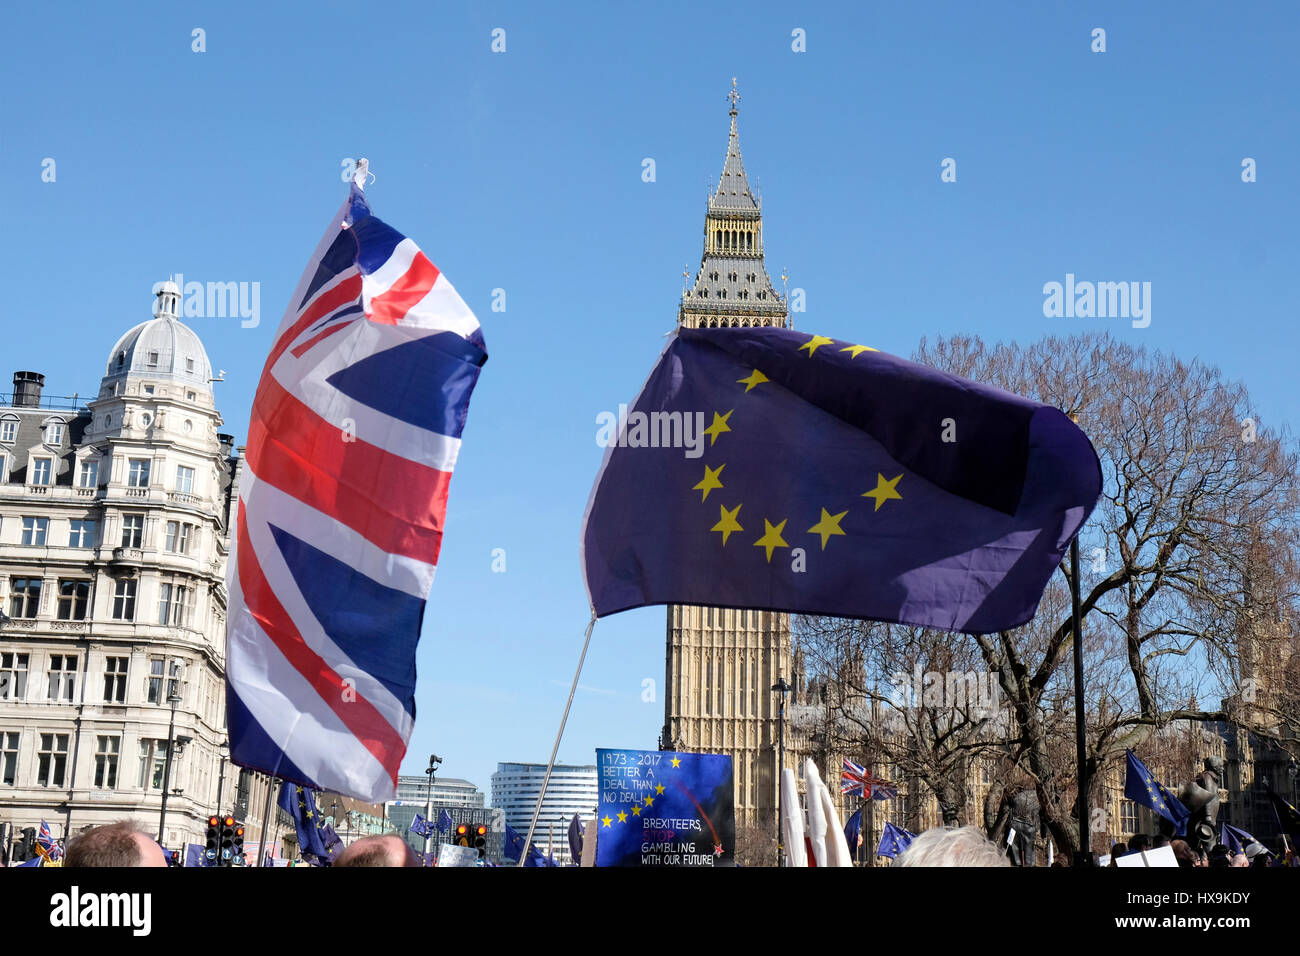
x=522, y=171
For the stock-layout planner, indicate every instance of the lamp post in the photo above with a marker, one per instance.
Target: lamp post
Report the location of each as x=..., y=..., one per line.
x=434, y=761
x=782, y=688
x=173, y=698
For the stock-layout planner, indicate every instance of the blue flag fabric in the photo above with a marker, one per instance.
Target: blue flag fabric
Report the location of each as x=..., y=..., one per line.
x=1229, y=839
x=853, y=833
x=894, y=840
x=300, y=804
x=444, y=822
x=1143, y=788
x=193, y=854
x=420, y=826
x=907, y=494
x=513, y=845
x=34, y=861
x=575, y=839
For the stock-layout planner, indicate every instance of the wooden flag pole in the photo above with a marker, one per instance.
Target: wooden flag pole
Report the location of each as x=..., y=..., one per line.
x=528, y=841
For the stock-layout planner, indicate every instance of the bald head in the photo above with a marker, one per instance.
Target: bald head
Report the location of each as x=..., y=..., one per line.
x=115, y=845
x=386, y=850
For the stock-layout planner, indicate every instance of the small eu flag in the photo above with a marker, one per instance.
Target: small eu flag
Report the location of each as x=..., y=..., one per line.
x=300, y=804
x=770, y=469
x=444, y=821
x=894, y=840
x=1141, y=787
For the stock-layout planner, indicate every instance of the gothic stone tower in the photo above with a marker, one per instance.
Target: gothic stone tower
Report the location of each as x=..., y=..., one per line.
x=722, y=662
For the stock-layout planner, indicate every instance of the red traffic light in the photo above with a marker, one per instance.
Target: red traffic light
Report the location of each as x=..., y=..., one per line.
x=230, y=821
x=482, y=830
x=462, y=830
x=239, y=831
x=213, y=821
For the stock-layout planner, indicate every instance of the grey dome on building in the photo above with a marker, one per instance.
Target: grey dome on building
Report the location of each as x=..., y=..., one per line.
x=162, y=348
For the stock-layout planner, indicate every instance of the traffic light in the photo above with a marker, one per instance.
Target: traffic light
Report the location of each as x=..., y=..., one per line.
x=238, y=846
x=211, y=848
x=463, y=836
x=480, y=840
x=226, y=851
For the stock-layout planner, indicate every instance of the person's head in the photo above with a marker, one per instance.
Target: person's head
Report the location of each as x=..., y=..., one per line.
x=1240, y=860
x=388, y=850
x=1183, y=852
x=1139, y=842
x=117, y=844
x=952, y=846
x=1160, y=841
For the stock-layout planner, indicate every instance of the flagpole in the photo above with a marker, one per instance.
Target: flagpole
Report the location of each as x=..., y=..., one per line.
x=266, y=816
x=1084, y=856
x=537, y=810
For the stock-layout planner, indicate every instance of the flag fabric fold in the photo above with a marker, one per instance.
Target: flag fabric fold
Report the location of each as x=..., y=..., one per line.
x=355, y=430
x=767, y=468
x=1141, y=786
x=300, y=804
x=513, y=845
x=1288, y=818
x=856, y=780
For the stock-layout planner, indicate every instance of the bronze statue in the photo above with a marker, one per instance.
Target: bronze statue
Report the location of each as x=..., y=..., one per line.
x=1201, y=796
x=1019, y=812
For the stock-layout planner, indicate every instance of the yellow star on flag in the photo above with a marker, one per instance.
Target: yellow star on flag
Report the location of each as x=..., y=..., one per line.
x=726, y=524
x=814, y=343
x=718, y=427
x=636, y=811
x=659, y=788
x=772, y=537
x=829, y=525
x=622, y=817
x=709, y=481
x=859, y=349
x=754, y=378
x=606, y=820
x=650, y=801
x=677, y=762
x=884, y=490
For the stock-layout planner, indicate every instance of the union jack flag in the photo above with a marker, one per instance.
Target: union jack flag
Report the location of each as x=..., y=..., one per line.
x=354, y=432
x=856, y=779
x=45, y=844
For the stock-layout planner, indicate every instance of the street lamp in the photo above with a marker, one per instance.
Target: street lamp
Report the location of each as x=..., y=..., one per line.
x=173, y=698
x=434, y=762
x=782, y=688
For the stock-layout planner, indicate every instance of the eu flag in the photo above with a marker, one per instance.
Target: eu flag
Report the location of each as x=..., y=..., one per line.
x=300, y=804
x=1288, y=818
x=894, y=840
x=853, y=832
x=772, y=469
x=513, y=845
x=1141, y=787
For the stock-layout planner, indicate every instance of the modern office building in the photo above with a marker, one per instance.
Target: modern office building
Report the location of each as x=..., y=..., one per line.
x=572, y=790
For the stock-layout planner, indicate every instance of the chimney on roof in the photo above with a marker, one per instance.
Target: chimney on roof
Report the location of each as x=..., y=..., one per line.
x=27, y=389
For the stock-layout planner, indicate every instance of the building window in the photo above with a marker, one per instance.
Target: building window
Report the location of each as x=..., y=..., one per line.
x=74, y=599
x=153, y=358
x=154, y=688
x=52, y=760
x=24, y=597
x=13, y=676
x=8, y=758
x=190, y=396
x=1128, y=817
x=124, y=600
x=63, y=677
x=153, y=758
x=132, y=530
x=54, y=433
x=189, y=365
x=81, y=533
x=184, y=479
x=175, y=602
x=177, y=537
x=8, y=430
x=138, y=473
x=115, y=680
x=40, y=471
x=34, y=530
x=89, y=476
x=148, y=389
x=106, y=753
